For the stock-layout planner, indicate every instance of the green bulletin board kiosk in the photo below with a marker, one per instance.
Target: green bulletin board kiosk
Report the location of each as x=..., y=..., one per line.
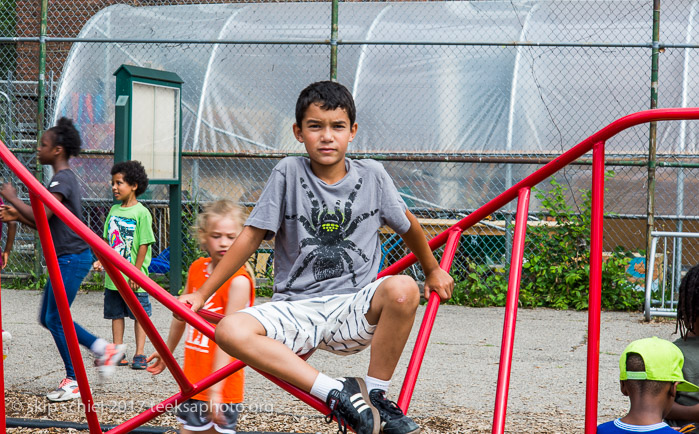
x=147, y=128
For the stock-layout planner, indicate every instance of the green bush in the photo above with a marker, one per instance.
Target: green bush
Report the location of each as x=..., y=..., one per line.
x=556, y=266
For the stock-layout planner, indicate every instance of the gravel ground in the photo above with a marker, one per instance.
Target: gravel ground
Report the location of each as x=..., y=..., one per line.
x=455, y=390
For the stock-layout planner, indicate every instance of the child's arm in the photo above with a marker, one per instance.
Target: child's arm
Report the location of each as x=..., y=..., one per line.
x=9, y=242
x=177, y=328
x=9, y=193
x=684, y=412
x=140, y=257
x=10, y=214
x=436, y=279
x=244, y=246
x=238, y=298
x=97, y=265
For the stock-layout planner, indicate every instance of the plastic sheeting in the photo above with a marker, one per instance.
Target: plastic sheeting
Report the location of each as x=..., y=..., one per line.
x=423, y=98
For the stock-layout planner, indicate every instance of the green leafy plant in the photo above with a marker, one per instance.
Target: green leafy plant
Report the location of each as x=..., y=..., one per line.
x=479, y=286
x=36, y=281
x=556, y=267
x=93, y=282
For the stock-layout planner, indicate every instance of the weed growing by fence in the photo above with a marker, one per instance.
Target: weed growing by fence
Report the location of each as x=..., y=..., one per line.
x=556, y=273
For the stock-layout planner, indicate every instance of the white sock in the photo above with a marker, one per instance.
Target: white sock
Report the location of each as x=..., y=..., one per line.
x=374, y=383
x=323, y=385
x=99, y=346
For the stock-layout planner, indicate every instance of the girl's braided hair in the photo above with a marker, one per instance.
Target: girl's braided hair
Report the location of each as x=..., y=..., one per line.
x=66, y=135
x=688, y=303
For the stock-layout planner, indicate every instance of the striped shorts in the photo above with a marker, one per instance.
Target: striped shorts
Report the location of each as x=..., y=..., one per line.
x=334, y=323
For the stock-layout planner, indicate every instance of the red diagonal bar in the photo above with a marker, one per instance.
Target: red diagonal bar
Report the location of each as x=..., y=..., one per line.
x=169, y=403
x=583, y=147
x=665, y=114
x=142, y=317
x=100, y=248
x=508, y=332
x=59, y=294
x=423, y=336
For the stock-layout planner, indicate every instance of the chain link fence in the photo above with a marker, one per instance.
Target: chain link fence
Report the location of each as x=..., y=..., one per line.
x=459, y=100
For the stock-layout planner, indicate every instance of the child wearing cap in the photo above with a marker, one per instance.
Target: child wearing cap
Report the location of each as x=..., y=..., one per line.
x=650, y=375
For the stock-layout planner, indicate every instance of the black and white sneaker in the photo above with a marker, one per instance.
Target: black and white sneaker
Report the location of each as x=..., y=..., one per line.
x=351, y=407
x=393, y=421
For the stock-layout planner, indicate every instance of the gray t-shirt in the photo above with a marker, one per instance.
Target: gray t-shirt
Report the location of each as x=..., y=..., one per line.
x=326, y=236
x=64, y=239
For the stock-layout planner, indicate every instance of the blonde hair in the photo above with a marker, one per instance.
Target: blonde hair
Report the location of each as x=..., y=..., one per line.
x=218, y=209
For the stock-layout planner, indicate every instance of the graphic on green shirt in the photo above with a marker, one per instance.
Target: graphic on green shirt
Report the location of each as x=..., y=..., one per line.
x=120, y=234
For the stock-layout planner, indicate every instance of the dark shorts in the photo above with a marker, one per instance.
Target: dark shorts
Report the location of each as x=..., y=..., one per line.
x=195, y=415
x=115, y=307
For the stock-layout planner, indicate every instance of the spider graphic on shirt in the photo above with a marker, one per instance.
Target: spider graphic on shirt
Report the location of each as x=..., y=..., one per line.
x=330, y=232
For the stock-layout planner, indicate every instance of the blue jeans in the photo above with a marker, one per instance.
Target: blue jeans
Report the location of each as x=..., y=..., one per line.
x=74, y=268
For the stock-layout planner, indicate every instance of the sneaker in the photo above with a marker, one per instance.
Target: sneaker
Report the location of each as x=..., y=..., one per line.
x=393, y=421
x=139, y=362
x=123, y=362
x=107, y=362
x=351, y=407
x=68, y=389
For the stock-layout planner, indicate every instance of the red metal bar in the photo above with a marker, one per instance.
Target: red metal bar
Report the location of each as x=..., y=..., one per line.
x=423, y=336
x=298, y=393
x=100, y=248
x=169, y=403
x=665, y=114
x=59, y=293
x=212, y=317
x=508, y=332
x=595, y=301
x=142, y=317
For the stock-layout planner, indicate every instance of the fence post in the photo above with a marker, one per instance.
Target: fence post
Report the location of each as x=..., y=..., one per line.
x=333, y=41
x=40, y=109
x=652, y=139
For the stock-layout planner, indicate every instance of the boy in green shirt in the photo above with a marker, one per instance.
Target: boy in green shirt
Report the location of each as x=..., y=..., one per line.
x=129, y=230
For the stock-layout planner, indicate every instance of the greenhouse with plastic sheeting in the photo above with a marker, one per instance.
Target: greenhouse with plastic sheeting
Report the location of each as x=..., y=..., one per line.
x=455, y=116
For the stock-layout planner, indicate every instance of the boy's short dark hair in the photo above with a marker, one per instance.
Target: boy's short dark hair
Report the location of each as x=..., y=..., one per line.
x=134, y=174
x=634, y=362
x=330, y=95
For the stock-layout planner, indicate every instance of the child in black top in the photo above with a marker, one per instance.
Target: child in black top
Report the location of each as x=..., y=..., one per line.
x=58, y=144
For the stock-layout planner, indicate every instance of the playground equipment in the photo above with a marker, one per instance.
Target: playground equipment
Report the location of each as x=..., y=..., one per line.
x=665, y=282
x=114, y=263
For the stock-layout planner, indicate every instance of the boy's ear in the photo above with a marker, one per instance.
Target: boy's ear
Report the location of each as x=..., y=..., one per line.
x=353, y=131
x=673, y=390
x=298, y=133
x=622, y=387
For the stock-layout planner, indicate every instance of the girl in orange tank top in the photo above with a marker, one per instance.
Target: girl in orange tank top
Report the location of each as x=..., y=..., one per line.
x=215, y=409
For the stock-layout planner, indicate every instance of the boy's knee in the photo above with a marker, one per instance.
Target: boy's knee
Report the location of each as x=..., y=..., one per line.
x=230, y=334
x=402, y=291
